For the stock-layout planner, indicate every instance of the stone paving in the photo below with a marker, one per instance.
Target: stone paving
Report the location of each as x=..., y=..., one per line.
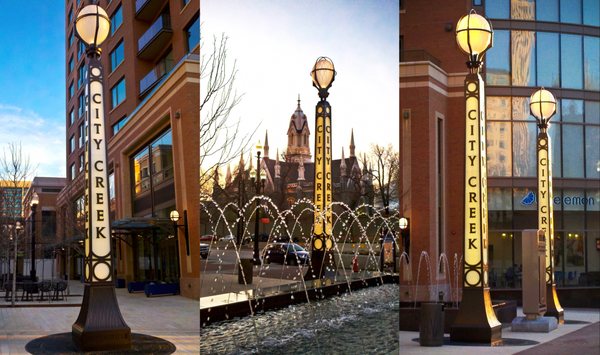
x=173, y=318
x=570, y=342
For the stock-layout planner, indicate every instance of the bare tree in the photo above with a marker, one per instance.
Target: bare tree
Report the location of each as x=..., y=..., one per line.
x=384, y=171
x=15, y=171
x=221, y=140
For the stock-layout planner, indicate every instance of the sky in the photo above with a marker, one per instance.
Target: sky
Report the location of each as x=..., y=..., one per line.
x=276, y=43
x=32, y=76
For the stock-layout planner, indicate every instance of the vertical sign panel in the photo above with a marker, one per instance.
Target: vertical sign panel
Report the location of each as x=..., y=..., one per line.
x=545, y=211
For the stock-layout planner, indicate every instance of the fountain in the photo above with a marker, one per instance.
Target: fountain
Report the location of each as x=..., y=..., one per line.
x=274, y=287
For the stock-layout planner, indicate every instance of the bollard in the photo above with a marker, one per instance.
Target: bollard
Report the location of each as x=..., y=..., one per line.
x=245, y=270
x=431, y=324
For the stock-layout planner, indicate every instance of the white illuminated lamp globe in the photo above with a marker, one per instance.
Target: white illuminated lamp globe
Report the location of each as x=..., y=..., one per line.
x=263, y=175
x=403, y=223
x=259, y=147
x=92, y=25
x=323, y=73
x=174, y=216
x=35, y=199
x=252, y=174
x=473, y=34
x=542, y=105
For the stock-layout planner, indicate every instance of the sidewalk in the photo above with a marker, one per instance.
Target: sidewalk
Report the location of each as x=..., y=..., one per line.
x=578, y=335
x=173, y=318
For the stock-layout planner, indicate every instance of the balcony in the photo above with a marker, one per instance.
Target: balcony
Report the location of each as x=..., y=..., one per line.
x=146, y=10
x=154, y=76
x=155, y=39
x=418, y=55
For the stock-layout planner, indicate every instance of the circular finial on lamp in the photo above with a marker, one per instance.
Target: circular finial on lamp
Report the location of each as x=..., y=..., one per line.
x=323, y=75
x=542, y=105
x=474, y=36
x=92, y=25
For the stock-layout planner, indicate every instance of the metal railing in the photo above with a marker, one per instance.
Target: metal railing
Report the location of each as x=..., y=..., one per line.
x=162, y=23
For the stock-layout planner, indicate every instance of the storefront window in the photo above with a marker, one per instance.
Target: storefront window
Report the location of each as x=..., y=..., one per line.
x=548, y=61
x=592, y=152
x=523, y=58
x=497, y=60
x=154, y=164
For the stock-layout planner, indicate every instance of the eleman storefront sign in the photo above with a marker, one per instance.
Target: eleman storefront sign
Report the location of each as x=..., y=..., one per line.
x=475, y=188
x=98, y=261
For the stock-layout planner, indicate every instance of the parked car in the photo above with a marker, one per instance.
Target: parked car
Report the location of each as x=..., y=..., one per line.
x=208, y=238
x=227, y=238
x=288, y=253
x=204, y=250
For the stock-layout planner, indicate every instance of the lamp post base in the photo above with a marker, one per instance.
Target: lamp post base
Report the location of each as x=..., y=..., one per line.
x=100, y=325
x=553, y=307
x=321, y=266
x=476, y=321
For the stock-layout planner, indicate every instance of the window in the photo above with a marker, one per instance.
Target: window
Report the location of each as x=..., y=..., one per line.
x=591, y=63
x=71, y=116
x=153, y=165
x=82, y=75
x=118, y=93
x=117, y=126
x=116, y=20
x=548, y=59
x=497, y=60
x=82, y=134
x=570, y=61
x=81, y=49
x=522, y=10
x=116, y=56
x=546, y=10
x=570, y=11
x=71, y=90
x=497, y=9
x=193, y=34
x=71, y=64
x=523, y=58
x=81, y=104
x=591, y=15
x=81, y=162
x=185, y=2
x=73, y=171
x=72, y=144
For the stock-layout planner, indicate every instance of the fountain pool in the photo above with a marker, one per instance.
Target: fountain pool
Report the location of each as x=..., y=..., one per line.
x=364, y=321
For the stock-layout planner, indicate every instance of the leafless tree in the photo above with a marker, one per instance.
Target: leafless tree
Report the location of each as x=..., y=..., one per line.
x=221, y=139
x=385, y=162
x=15, y=171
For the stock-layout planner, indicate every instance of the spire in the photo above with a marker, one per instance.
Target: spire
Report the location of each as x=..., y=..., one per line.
x=277, y=167
x=250, y=159
x=299, y=102
x=343, y=164
x=241, y=164
x=352, y=143
x=266, y=146
x=228, y=175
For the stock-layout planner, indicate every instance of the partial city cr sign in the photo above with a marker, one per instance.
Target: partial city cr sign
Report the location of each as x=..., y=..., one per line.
x=545, y=206
x=323, y=189
x=476, y=215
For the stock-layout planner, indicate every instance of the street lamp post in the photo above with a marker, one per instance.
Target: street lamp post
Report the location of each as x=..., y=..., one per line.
x=35, y=200
x=259, y=185
x=476, y=320
x=405, y=235
x=100, y=325
x=241, y=202
x=174, y=217
x=542, y=106
x=322, y=261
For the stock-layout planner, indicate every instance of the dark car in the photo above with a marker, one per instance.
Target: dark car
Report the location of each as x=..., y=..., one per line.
x=288, y=253
x=204, y=250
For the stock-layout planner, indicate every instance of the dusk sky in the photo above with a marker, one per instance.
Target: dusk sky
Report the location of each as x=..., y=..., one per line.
x=276, y=44
x=32, y=89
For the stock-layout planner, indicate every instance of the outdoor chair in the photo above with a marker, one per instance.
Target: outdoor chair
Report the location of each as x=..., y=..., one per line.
x=7, y=290
x=29, y=288
x=59, y=287
x=45, y=287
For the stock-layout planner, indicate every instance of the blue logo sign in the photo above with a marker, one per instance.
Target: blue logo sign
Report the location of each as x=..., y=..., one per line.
x=529, y=199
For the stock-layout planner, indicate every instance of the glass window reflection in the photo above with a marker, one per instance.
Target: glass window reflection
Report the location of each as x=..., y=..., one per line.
x=497, y=60
x=591, y=15
x=498, y=108
x=554, y=134
x=591, y=62
x=153, y=165
x=572, y=110
x=497, y=9
x=524, y=149
x=499, y=146
x=547, y=10
x=523, y=58
x=570, y=61
x=522, y=9
x=592, y=152
x=570, y=11
x=592, y=112
x=572, y=151
x=548, y=62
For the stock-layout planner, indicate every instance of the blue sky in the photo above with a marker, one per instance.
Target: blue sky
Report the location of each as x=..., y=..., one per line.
x=276, y=43
x=32, y=74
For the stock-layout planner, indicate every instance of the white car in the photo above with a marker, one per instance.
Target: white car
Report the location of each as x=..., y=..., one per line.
x=227, y=238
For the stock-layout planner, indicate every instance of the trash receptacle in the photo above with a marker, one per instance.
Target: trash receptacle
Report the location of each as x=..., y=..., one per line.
x=431, y=324
x=245, y=271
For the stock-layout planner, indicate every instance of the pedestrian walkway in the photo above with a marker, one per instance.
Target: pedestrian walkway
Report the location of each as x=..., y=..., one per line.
x=578, y=335
x=173, y=318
